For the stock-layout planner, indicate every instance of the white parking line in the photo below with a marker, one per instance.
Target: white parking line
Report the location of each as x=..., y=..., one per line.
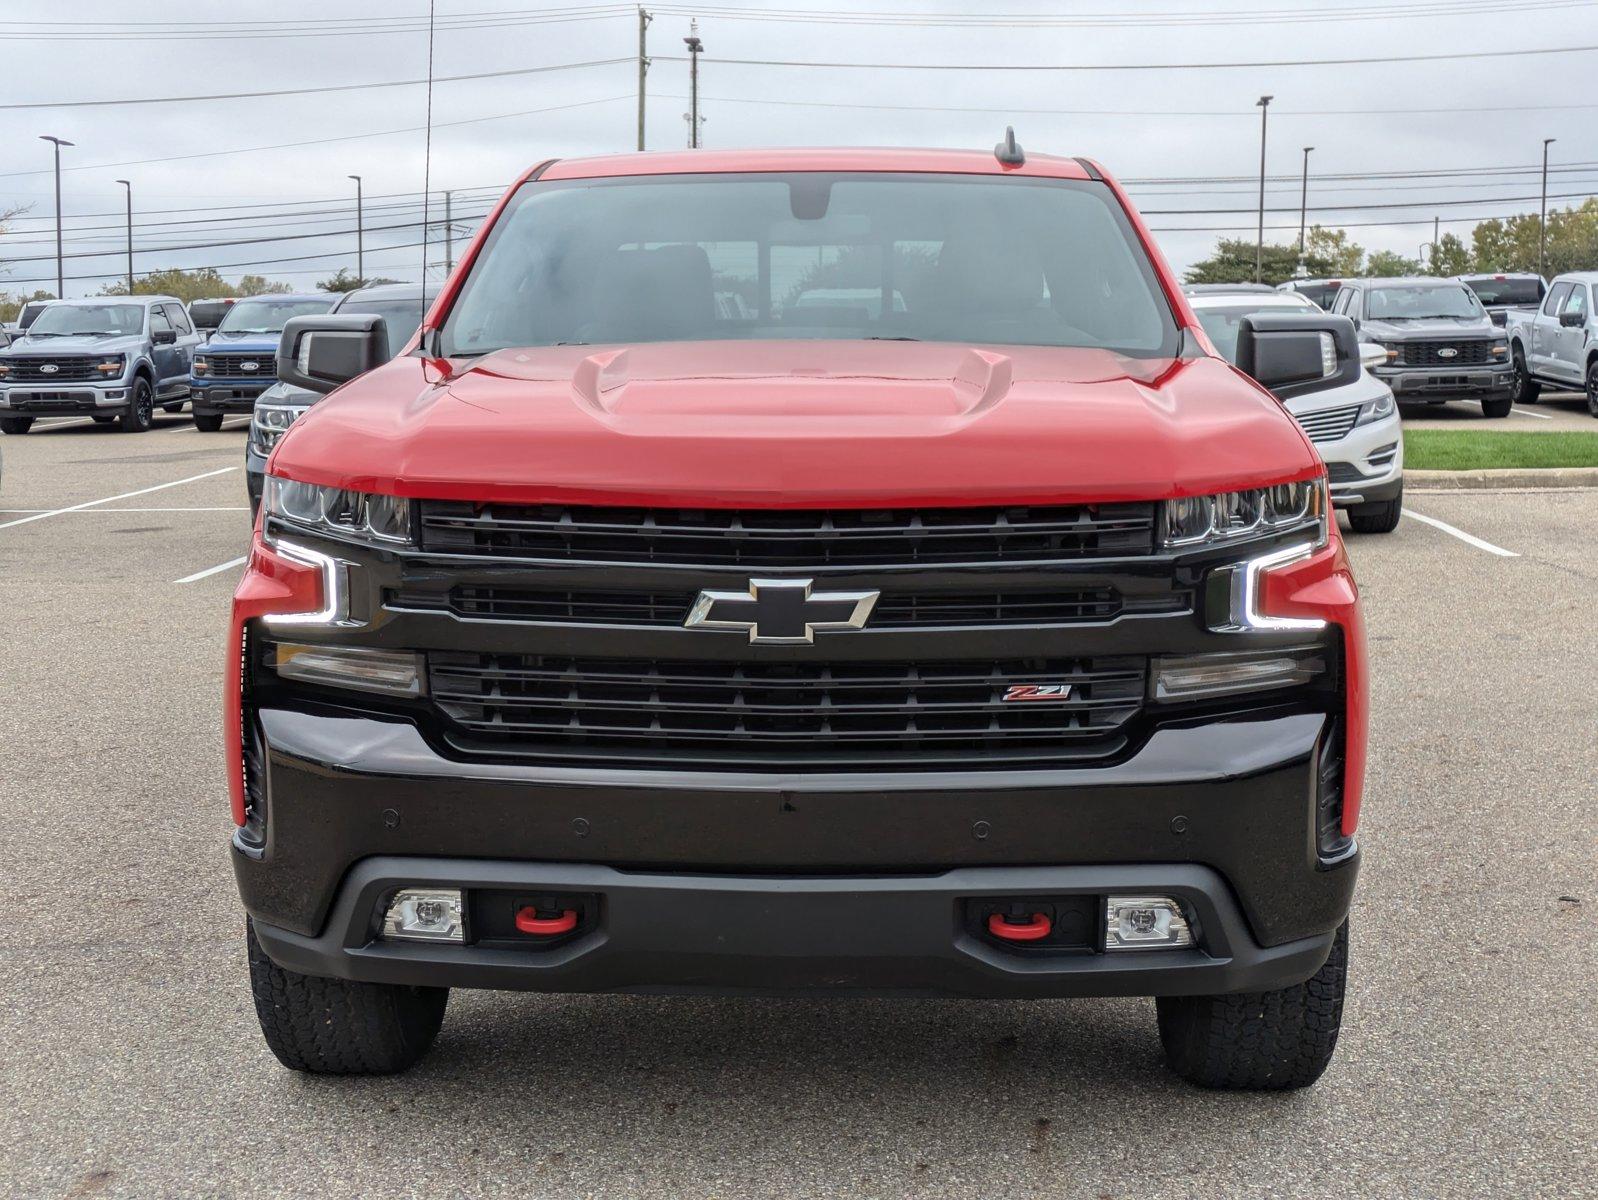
x=90, y=512
x=1469, y=538
x=1526, y=412
x=216, y=570
x=55, y=512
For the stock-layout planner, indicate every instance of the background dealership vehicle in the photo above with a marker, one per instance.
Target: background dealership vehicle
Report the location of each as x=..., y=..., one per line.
x=208, y=314
x=399, y=304
x=1501, y=295
x=237, y=363
x=1440, y=342
x=1319, y=291
x=110, y=358
x=1355, y=427
x=1557, y=344
x=999, y=646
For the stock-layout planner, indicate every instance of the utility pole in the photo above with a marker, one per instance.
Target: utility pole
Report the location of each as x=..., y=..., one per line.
x=1542, y=214
x=360, y=231
x=694, y=47
x=1264, y=105
x=1437, y=229
x=1303, y=213
x=643, y=67
x=129, y=187
x=449, y=252
x=61, y=277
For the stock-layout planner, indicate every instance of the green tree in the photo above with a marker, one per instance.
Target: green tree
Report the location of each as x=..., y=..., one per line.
x=1388, y=263
x=11, y=306
x=343, y=281
x=203, y=283
x=259, y=285
x=1330, y=254
x=1450, y=257
x=1327, y=253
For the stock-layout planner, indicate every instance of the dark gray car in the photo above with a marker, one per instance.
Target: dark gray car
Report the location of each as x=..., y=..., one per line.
x=1440, y=342
x=113, y=358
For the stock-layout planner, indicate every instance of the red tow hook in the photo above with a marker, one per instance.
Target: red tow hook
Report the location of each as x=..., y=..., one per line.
x=1001, y=926
x=528, y=921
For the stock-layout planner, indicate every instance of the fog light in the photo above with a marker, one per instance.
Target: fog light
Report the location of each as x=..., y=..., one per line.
x=425, y=915
x=1194, y=676
x=1145, y=923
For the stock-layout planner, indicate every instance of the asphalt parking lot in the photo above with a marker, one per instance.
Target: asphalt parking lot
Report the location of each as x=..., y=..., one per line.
x=1554, y=411
x=132, y=1066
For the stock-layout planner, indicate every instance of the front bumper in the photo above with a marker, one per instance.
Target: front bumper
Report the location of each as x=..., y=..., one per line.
x=213, y=396
x=838, y=935
x=64, y=399
x=1416, y=382
x=1367, y=466
x=742, y=881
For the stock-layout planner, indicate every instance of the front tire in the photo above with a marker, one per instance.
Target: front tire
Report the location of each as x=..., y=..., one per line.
x=1381, y=517
x=140, y=412
x=1523, y=389
x=208, y=422
x=1497, y=406
x=1258, y=1041
x=16, y=425
x=337, y=1026
x=1592, y=387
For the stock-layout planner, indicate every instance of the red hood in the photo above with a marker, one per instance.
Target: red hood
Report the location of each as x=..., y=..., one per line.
x=797, y=424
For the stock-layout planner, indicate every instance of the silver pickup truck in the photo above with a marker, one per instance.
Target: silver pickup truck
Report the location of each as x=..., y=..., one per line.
x=1557, y=345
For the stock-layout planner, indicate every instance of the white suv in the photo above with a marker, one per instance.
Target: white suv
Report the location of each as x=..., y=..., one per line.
x=1355, y=427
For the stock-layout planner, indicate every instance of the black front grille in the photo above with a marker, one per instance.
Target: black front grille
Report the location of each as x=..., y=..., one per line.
x=801, y=716
x=232, y=365
x=798, y=538
x=66, y=370
x=1433, y=354
x=895, y=610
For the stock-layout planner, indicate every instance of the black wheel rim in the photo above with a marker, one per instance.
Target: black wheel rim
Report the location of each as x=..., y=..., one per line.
x=1520, y=379
x=1592, y=389
x=146, y=406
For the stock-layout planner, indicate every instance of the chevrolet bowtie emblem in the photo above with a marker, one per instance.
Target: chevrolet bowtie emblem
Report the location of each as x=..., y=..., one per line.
x=781, y=611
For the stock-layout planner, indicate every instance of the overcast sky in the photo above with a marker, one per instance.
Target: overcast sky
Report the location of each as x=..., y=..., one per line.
x=1144, y=125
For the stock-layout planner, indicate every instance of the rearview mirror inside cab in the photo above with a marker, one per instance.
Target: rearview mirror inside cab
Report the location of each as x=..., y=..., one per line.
x=321, y=352
x=1294, y=354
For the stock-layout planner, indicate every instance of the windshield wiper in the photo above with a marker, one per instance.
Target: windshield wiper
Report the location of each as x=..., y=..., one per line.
x=889, y=339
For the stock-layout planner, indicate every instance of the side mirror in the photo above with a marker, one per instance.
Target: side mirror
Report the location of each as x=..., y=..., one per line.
x=1572, y=320
x=1295, y=354
x=164, y=337
x=321, y=352
x=1372, y=355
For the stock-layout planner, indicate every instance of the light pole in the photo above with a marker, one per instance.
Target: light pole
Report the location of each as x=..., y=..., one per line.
x=643, y=68
x=1542, y=213
x=360, y=232
x=1303, y=213
x=61, y=278
x=694, y=47
x=1264, y=105
x=129, y=187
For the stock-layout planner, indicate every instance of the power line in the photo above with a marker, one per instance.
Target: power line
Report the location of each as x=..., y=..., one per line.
x=1454, y=56
x=338, y=87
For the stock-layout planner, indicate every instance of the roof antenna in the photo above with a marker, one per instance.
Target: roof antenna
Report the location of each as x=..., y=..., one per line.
x=1008, y=151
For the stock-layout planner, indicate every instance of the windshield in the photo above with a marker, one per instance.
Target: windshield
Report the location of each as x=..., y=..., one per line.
x=400, y=317
x=1222, y=324
x=78, y=320
x=1421, y=301
x=1507, y=291
x=1321, y=294
x=961, y=258
x=267, y=315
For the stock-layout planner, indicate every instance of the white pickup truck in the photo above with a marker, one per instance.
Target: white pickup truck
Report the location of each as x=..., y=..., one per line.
x=1557, y=345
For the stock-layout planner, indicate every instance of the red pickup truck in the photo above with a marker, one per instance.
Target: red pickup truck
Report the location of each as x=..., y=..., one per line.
x=843, y=572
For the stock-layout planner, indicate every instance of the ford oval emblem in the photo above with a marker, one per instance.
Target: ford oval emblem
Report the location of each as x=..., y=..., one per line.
x=1448, y=352
x=48, y=369
x=249, y=366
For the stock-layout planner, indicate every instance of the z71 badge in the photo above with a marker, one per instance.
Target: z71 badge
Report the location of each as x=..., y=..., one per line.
x=1038, y=691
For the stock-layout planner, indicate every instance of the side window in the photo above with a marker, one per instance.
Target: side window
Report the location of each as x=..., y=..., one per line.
x=1556, y=298
x=179, y=318
x=1340, y=303
x=158, y=320
x=1577, y=303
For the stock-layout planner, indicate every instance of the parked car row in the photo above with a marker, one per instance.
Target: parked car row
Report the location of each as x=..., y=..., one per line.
x=115, y=359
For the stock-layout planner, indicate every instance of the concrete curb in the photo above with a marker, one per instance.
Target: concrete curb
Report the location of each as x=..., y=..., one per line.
x=1519, y=478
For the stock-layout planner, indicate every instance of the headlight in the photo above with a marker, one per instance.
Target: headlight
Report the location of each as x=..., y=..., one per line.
x=268, y=424
x=1378, y=409
x=1234, y=516
x=1499, y=350
x=201, y=366
x=5, y=369
x=335, y=512
x=110, y=366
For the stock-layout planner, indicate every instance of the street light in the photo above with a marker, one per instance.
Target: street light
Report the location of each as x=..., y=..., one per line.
x=695, y=47
x=360, y=232
x=1264, y=105
x=129, y=187
x=1303, y=213
x=1542, y=213
x=61, y=278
